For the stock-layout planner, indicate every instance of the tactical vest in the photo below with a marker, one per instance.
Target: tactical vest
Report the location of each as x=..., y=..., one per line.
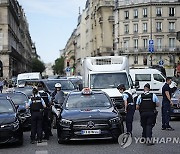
x=130, y=98
x=36, y=104
x=147, y=103
x=44, y=96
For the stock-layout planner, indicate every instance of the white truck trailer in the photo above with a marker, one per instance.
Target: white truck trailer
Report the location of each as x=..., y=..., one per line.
x=106, y=73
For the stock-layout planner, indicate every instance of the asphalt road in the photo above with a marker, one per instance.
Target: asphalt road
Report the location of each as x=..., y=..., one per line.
x=102, y=147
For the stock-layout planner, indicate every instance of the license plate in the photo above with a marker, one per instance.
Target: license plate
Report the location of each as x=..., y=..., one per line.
x=176, y=111
x=90, y=132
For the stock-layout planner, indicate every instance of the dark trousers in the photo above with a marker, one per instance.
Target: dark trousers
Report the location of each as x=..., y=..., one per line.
x=147, y=120
x=166, y=110
x=36, y=125
x=129, y=117
x=46, y=124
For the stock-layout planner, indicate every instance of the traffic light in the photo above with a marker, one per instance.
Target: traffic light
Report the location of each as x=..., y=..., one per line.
x=67, y=63
x=1, y=69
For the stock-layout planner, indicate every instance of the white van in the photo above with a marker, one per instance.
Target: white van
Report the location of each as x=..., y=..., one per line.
x=149, y=75
x=21, y=78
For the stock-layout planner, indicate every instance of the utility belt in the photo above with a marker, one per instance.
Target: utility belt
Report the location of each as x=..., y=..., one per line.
x=39, y=110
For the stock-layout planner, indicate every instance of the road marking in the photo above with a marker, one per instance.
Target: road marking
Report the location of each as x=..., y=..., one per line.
x=41, y=152
x=42, y=144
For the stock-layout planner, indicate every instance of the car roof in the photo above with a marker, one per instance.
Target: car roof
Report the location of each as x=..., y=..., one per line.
x=93, y=92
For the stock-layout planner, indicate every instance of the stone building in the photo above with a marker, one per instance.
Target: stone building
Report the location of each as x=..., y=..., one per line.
x=15, y=40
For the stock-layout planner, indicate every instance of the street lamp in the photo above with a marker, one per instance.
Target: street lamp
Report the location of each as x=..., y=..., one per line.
x=151, y=27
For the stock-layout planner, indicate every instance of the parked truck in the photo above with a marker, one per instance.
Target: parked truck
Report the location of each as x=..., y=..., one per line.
x=106, y=73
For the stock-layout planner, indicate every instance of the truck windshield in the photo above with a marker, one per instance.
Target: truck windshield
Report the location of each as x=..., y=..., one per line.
x=108, y=80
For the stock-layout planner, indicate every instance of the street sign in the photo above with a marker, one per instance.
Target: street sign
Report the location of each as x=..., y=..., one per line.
x=68, y=69
x=161, y=62
x=151, y=45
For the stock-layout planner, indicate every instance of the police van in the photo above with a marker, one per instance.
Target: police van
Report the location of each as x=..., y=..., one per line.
x=149, y=75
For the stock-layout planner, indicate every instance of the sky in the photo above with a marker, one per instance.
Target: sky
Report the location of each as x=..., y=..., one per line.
x=51, y=23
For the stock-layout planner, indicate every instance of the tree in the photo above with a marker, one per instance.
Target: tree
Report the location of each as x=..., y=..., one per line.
x=37, y=65
x=58, y=67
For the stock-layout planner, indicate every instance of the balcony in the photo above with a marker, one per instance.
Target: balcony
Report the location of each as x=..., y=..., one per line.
x=105, y=3
x=145, y=50
x=158, y=30
x=171, y=30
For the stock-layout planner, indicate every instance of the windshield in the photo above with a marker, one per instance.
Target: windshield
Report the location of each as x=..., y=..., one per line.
x=18, y=98
x=5, y=106
x=93, y=101
x=108, y=80
x=66, y=85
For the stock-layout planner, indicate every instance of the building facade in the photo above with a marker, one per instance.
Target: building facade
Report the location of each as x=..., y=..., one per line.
x=139, y=22
x=15, y=40
x=126, y=27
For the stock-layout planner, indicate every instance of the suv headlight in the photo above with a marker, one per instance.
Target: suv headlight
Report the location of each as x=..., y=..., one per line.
x=65, y=122
x=115, y=120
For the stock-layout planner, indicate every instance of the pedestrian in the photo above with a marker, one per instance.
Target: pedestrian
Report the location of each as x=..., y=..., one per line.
x=166, y=105
x=129, y=107
x=1, y=86
x=46, y=114
x=146, y=104
x=36, y=104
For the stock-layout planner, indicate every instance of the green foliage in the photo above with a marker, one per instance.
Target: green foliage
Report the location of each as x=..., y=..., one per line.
x=58, y=67
x=37, y=65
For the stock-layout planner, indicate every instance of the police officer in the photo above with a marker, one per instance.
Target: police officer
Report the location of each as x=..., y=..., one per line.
x=166, y=105
x=129, y=107
x=36, y=104
x=57, y=100
x=46, y=115
x=147, y=103
x=58, y=94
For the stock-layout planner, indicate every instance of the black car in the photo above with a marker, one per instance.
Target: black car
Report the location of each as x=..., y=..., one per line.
x=20, y=100
x=176, y=104
x=88, y=115
x=10, y=124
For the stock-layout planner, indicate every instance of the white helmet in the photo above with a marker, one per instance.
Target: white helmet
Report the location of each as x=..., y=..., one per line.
x=57, y=85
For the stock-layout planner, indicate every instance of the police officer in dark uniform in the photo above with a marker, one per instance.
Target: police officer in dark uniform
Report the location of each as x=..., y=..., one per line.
x=36, y=104
x=147, y=103
x=166, y=105
x=46, y=115
x=129, y=107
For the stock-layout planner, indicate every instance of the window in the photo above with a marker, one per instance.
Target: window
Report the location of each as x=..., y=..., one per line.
x=136, y=13
x=142, y=77
x=172, y=43
x=126, y=14
x=135, y=28
x=158, y=11
x=159, y=26
x=171, y=26
x=145, y=43
x=145, y=12
x=126, y=44
x=135, y=43
x=171, y=11
x=159, y=43
x=126, y=29
x=158, y=77
x=136, y=59
x=144, y=27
